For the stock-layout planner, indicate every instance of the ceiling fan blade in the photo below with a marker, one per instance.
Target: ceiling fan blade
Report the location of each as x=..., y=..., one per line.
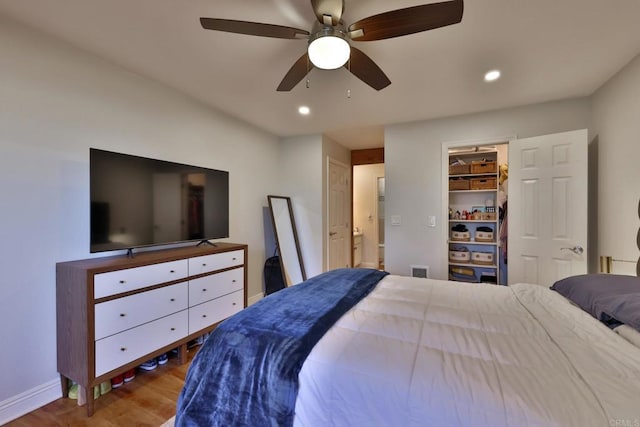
x=407, y=21
x=328, y=9
x=296, y=73
x=363, y=67
x=252, y=28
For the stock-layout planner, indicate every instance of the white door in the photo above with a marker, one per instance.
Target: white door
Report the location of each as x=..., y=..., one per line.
x=547, y=208
x=339, y=224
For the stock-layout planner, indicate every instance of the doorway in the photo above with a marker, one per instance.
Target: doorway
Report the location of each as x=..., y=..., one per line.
x=547, y=197
x=368, y=208
x=477, y=226
x=380, y=221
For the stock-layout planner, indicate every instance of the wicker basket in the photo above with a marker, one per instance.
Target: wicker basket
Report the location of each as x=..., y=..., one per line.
x=459, y=169
x=459, y=184
x=484, y=184
x=479, y=166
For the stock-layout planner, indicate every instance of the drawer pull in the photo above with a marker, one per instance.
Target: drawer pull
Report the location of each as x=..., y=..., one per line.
x=123, y=348
x=234, y=303
x=204, y=265
x=122, y=314
x=173, y=329
x=172, y=299
x=234, y=258
x=204, y=290
x=233, y=281
x=172, y=271
x=122, y=281
x=204, y=315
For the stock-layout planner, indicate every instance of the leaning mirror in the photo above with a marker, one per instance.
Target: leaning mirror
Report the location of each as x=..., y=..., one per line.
x=284, y=228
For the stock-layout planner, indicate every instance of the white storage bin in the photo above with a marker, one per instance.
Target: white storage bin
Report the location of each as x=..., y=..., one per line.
x=484, y=236
x=459, y=256
x=484, y=258
x=463, y=236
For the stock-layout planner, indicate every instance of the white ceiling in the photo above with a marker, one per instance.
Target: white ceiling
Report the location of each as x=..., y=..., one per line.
x=546, y=49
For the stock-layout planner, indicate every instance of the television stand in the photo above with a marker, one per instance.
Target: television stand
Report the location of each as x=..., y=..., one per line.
x=206, y=242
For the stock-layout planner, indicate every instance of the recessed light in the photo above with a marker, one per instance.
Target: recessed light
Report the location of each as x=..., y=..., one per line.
x=304, y=110
x=492, y=76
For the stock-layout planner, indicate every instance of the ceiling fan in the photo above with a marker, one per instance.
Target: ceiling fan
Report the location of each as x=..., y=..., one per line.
x=328, y=41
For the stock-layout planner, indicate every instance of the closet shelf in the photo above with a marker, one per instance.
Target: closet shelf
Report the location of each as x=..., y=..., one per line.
x=477, y=221
x=470, y=264
x=471, y=242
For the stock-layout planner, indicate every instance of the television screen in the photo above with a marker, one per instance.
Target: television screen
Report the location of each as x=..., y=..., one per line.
x=137, y=201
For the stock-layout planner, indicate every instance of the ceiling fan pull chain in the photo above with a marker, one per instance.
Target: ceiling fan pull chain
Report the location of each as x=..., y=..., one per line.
x=350, y=78
x=308, y=70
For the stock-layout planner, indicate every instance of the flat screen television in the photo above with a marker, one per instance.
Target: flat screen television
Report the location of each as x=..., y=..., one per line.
x=138, y=201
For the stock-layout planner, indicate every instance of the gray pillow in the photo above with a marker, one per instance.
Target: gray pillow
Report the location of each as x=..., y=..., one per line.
x=611, y=298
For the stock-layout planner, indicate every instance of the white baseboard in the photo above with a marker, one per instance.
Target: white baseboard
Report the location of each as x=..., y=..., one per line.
x=25, y=402
x=254, y=299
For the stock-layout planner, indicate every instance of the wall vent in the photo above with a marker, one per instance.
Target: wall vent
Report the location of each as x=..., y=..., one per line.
x=420, y=271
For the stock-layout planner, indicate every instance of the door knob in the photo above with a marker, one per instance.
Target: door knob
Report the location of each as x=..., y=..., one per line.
x=576, y=250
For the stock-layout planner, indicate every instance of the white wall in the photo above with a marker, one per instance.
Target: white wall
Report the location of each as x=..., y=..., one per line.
x=56, y=102
x=301, y=179
x=303, y=176
x=413, y=172
x=616, y=118
x=365, y=202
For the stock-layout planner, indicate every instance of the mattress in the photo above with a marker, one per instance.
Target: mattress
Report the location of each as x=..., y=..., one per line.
x=420, y=352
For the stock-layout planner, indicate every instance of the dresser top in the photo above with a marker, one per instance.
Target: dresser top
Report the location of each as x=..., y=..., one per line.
x=117, y=262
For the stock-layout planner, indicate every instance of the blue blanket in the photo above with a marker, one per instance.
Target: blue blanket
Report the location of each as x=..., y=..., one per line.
x=246, y=373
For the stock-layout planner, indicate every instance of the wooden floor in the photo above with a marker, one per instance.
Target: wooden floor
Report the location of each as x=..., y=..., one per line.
x=148, y=400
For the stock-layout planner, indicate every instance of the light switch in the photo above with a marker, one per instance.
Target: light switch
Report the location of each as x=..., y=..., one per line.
x=395, y=219
x=432, y=221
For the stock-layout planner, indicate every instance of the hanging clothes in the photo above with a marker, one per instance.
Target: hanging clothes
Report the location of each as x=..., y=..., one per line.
x=503, y=187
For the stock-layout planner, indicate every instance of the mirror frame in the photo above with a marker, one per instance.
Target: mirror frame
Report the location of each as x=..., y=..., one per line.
x=287, y=236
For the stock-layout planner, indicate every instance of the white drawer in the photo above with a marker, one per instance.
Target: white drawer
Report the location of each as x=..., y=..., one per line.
x=125, y=313
x=120, y=349
x=130, y=279
x=215, y=285
x=213, y=262
x=214, y=311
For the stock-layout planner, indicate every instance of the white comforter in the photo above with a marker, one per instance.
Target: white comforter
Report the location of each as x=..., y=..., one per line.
x=419, y=352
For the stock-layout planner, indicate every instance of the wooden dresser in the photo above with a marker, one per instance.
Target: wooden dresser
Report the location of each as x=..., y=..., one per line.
x=114, y=313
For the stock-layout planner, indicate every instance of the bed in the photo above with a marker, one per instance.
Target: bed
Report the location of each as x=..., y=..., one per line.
x=412, y=352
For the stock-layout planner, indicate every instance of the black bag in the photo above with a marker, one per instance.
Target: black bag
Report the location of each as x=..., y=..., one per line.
x=273, y=278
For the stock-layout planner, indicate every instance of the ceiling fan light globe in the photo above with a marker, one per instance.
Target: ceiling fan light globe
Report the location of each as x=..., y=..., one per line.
x=329, y=52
